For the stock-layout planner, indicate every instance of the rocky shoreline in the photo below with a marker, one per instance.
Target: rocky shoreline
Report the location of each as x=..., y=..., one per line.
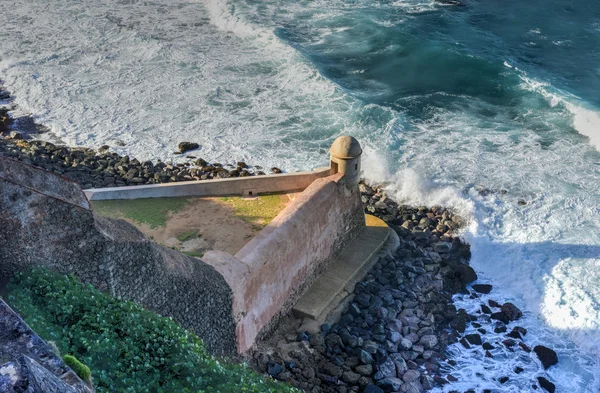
x=102, y=168
x=394, y=333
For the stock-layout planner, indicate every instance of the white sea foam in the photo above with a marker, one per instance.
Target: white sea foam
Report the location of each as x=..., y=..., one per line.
x=149, y=76
x=585, y=120
x=144, y=78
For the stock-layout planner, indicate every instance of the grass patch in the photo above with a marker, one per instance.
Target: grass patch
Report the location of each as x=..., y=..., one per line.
x=128, y=348
x=197, y=254
x=150, y=211
x=187, y=236
x=258, y=212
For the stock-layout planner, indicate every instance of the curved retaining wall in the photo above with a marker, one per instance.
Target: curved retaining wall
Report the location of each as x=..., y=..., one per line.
x=271, y=272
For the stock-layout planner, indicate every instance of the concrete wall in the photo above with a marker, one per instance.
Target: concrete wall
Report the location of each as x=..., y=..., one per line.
x=38, y=229
x=270, y=273
x=287, y=182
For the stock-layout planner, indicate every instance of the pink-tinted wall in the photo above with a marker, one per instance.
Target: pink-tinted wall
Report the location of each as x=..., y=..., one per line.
x=269, y=274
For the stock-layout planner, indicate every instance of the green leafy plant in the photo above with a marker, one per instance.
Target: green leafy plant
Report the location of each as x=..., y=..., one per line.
x=80, y=369
x=130, y=349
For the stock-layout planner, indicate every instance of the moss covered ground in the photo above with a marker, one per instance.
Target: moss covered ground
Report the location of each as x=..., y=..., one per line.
x=150, y=211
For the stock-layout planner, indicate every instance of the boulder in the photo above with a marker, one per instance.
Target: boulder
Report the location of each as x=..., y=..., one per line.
x=474, y=339
x=545, y=384
x=465, y=274
x=482, y=288
x=500, y=316
x=187, y=146
x=370, y=388
x=429, y=341
x=511, y=311
x=546, y=355
x=390, y=384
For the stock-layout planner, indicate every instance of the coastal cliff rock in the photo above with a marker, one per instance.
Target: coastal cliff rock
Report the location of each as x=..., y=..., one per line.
x=29, y=363
x=45, y=220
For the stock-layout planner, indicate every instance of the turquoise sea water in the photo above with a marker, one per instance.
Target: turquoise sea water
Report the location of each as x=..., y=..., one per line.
x=447, y=101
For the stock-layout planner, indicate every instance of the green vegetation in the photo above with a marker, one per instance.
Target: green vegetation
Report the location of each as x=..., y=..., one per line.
x=260, y=211
x=150, y=211
x=80, y=369
x=129, y=349
x=187, y=236
x=195, y=253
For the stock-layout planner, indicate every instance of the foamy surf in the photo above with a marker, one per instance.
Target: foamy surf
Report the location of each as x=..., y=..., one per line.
x=244, y=80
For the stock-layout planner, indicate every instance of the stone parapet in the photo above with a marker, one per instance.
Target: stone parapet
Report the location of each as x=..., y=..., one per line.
x=270, y=273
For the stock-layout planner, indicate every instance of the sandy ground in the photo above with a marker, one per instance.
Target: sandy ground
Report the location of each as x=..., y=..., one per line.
x=206, y=224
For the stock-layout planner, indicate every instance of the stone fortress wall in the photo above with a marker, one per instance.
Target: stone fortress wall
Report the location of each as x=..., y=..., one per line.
x=112, y=255
x=229, y=301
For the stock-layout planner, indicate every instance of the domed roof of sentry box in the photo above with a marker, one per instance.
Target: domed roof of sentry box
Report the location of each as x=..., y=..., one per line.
x=345, y=147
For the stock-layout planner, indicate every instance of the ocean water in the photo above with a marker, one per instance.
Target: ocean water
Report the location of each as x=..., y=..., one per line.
x=447, y=101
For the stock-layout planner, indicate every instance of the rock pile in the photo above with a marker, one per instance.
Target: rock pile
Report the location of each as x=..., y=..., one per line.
x=101, y=168
x=392, y=336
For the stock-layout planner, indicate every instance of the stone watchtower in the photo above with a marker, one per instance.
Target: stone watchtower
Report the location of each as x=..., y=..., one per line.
x=345, y=158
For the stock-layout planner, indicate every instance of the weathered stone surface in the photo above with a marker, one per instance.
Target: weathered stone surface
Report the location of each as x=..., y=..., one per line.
x=429, y=341
x=30, y=363
x=110, y=254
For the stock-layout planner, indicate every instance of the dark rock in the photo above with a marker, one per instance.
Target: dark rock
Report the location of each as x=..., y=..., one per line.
x=482, y=288
x=493, y=303
x=187, y=146
x=546, y=355
x=370, y=388
x=544, y=383
x=465, y=273
x=500, y=316
x=487, y=346
x=274, y=369
x=524, y=347
x=503, y=380
x=509, y=342
x=276, y=170
x=386, y=368
x=511, y=311
x=474, y=338
x=518, y=370
x=364, y=369
x=485, y=309
x=365, y=357
x=515, y=333
x=390, y=384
